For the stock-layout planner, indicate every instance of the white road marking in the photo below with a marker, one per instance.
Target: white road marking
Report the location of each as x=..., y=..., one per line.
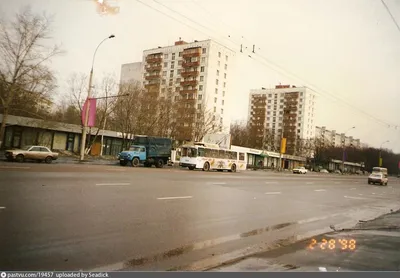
x=353, y=188
x=309, y=182
x=105, y=184
x=173, y=198
x=337, y=182
x=373, y=193
x=14, y=167
x=357, y=198
x=271, y=182
x=217, y=183
x=360, y=194
x=272, y=193
x=2, y=207
x=320, y=190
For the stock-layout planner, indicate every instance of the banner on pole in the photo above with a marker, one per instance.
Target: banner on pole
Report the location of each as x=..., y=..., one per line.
x=92, y=112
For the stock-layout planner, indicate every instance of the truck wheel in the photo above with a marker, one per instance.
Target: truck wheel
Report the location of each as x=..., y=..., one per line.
x=206, y=166
x=191, y=167
x=135, y=162
x=122, y=163
x=19, y=158
x=159, y=163
x=48, y=160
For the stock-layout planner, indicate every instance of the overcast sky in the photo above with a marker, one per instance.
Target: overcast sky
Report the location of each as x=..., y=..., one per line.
x=346, y=48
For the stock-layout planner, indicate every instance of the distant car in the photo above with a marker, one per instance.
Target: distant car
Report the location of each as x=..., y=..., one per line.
x=380, y=178
x=38, y=153
x=300, y=170
x=337, y=172
x=324, y=171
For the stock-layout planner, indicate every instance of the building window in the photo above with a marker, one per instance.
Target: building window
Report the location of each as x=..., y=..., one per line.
x=177, y=89
x=270, y=95
x=226, y=57
x=225, y=75
x=268, y=113
x=180, y=54
x=215, y=109
x=165, y=56
x=203, y=59
x=216, y=90
x=224, y=84
x=200, y=87
x=215, y=100
x=219, y=54
x=179, y=71
x=164, y=82
x=179, y=62
x=204, y=50
x=216, y=82
x=223, y=93
x=219, y=63
x=226, y=66
x=223, y=102
x=267, y=118
x=269, y=101
x=217, y=72
x=176, y=98
x=164, y=73
x=199, y=106
x=222, y=111
x=281, y=106
x=202, y=69
x=269, y=106
x=173, y=56
x=201, y=78
x=299, y=124
x=165, y=64
x=178, y=80
x=200, y=97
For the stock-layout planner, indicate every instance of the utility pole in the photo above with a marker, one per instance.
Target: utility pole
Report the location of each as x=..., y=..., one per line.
x=344, y=147
x=380, y=153
x=86, y=120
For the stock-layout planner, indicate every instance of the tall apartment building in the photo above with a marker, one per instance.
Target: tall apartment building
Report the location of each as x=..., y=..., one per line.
x=285, y=111
x=331, y=138
x=198, y=75
x=132, y=72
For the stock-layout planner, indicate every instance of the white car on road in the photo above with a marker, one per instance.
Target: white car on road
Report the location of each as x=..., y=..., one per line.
x=300, y=170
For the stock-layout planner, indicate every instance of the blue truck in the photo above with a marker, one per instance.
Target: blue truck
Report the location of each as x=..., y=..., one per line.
x=147, y=150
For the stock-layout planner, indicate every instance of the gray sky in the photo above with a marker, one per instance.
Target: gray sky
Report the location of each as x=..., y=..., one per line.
x=346, y=48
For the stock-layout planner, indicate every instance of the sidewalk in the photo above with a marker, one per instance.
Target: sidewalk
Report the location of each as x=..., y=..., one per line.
x=374, y=246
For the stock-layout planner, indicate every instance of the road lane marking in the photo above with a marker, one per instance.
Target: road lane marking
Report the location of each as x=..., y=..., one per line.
x=273, y=193
x=357, y=198
x=173, y=198
x=217, y=183
x=105, y=184
x=309, y=182
x=353, y=188
x=14, y=167
x=320, y=190
x=271, y=182
x=2, y=207
x=338, y=182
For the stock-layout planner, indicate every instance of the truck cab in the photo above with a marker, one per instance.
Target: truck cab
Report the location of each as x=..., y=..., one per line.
x=135, y=155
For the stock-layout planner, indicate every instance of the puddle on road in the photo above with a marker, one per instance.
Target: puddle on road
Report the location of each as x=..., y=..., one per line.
x=205, y=244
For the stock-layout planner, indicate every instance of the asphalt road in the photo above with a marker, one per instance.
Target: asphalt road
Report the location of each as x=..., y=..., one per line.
x=71, y=217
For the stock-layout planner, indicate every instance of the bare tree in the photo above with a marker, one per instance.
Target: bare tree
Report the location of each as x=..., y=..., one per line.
x=24, y=59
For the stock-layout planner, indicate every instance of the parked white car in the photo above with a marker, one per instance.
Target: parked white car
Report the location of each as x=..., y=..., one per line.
x=300, y=170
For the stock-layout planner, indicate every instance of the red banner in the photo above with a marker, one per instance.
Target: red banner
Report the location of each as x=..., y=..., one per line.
x=92, y=112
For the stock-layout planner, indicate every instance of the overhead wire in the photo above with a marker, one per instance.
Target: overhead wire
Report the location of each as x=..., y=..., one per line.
x=266, y=62
x=391, y=15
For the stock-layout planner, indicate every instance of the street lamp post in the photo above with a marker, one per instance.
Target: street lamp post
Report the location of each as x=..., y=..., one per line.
x=344, y=147
x=85, y=124
x=380, y=153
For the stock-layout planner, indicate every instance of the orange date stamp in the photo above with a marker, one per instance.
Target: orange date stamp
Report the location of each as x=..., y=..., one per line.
x=333, y=244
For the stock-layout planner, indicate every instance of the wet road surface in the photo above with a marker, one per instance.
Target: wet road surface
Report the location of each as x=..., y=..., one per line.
x=69, y=217
x=370, y=246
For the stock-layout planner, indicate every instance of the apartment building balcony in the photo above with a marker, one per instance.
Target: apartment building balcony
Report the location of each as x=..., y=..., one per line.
x=190, y=64
x=153, y=76
x=193, y=52
x=153, y=59
x=189, y=83
x=192, y=73
x=156, y=67
x=192, y=91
